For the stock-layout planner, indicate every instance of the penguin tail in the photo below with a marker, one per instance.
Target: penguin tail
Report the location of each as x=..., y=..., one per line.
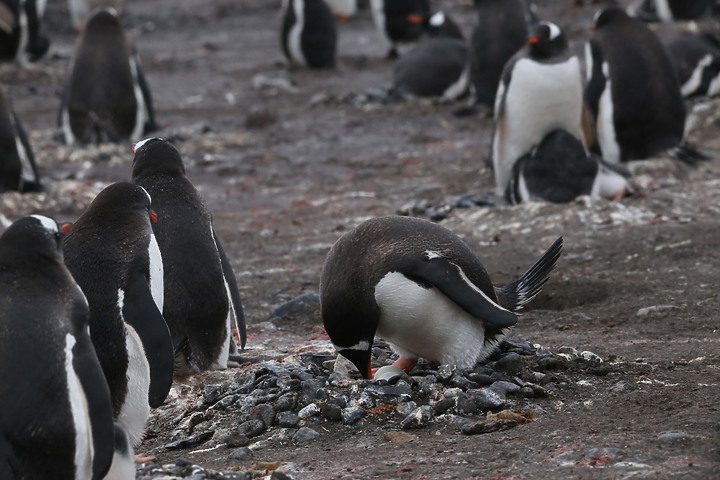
x=687, y=154
x=515, y=295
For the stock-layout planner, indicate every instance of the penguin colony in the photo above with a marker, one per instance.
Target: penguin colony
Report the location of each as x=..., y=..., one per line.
x=139, y=289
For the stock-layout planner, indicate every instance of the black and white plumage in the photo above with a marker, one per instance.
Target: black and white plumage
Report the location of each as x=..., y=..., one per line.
x=202, y=302
x=541, y=90
x=56, y=417
x=343, y=9
x=18, y=170
x=420, y=287
x=437, y=65
x=399, y=21
x=81, y=10
x=501, y=30
x=632, y=90
x=106, y=97
x=21, y=36
x=696, y=59
x=308, y=33
x=113, y=255
x=667, y=11
x=560, y=169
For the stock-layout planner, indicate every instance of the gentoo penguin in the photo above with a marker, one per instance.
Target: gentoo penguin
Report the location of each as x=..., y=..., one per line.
x=308, y=35
x=56, y=418
x=21, y=36
x=18, y=170
x=343, y=9
x=632, y=90
x=501, y=30
x=80, y=10
x=437, y=66
x=696, y=59
x=667, y=11
x=202, y=302
x=112, y=253
x=541, y=90
x=106, y=97
x=399, y=21
x=420, y=287
x=560, y=169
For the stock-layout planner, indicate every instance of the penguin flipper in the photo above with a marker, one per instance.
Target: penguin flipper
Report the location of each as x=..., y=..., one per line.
x=150, y=123
x=516, y=294
x=447, y=277
x=87, y=368
x=143, y=315
x=237, y=307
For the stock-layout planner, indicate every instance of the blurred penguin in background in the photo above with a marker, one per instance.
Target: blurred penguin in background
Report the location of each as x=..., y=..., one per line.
x=21, y=37
x=667, y=11
x=696, y=59
x=308, y=35
x=400, y=21
x=18, y=170
x=343, y=9
x=80, y=10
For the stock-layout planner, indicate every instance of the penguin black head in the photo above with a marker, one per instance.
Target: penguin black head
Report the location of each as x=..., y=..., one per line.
x=156, y=155
x=134, y=197
x=608, y=15
x=35, y=235
x=546, y=40
x=360, y=358
x=102, y=19
x=440, y=25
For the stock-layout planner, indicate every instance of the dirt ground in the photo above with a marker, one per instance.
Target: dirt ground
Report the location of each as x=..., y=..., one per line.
x=287, y=161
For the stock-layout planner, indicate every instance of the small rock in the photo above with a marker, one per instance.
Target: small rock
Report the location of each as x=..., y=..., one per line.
x=190, y=441
x=243, y=453
x=309, y=411
x=304, y=435
x=303, y=305
x=505, y=387
x=390, y=393
x=443, y=406
x=313, y=389
x=590, y=357
x=400, y=437
x=552, y=362
x=568, y=351
x=406, y=408
x=487, y=426
x=278, y=475
x=510, y=364
x=444, y=372
x=287, y=420
x=212, y=393
x=487, y=399
x=234, y=440
x=527, y=392
x=331, y=412
x=622, y=386
x=263, y=412
x=345, y=368
x=654, y=309
x=672, y=437
x=260, y=117
x=389, y=373
x=352, y=415
x=286, y=402
x=252, y=428
x=465, y=405
x=419, y=418
x=601, y=457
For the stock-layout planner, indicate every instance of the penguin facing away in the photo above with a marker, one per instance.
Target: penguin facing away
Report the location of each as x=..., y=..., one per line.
x=399, y=21
x=56, y=421
x=308, y=34
x=21, y=36
x=18, y=170
x=696, y=59
x=202, y=302
x=436, y=66
x=560, y=169
x=420, y=287
x=541, y=90
x=106, y=97
x=113, y=255
x=80, y=10
x=632, y=90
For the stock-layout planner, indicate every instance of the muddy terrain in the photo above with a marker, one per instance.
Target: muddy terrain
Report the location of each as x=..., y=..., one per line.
x=289, y=159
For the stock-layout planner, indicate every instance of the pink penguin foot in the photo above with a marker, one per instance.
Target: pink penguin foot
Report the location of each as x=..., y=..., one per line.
x=405, y=363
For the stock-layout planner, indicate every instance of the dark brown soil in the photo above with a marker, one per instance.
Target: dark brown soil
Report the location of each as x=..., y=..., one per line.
x=286, y=172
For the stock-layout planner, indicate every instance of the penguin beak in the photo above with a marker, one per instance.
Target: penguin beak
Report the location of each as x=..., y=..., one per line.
x=359, y=358
x=416, y=19
x=153, y=217
x=592, y=28
x=132, y=147
x=65, y=228
x=533, y=40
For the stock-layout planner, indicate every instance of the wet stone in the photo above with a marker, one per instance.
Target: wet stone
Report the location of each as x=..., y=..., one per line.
x=287, y=420
x=672, y=437
x=252, y=428
x=487, y=399
x=519, y=346
x=309, y=411
x=487, y=426
x=406, y=408
x=332, y=412
x=465, y=405
x=419, y=418
x=286, y=402
x=242, y=453
x=288, y=384
x=481, y=379
x=552, y=362
x=445, y=372
x=511, y=364
x=443, y=406
x=352, y=415
x=212, y=393
x=263, y=412
x=390, y=393
x=507, y=387
x=234, y=440
x=304, y=435
x=313, y=390
x=527, y=392
x=622, y=386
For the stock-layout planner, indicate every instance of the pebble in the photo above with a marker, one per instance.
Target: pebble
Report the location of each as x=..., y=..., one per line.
x=672, y=437
x=417, y=419
x=309, y=411
x=487, y=426
x=304, y=435
x=643, y=312
x=389, y=373
x=242, y=453
x=393, y=394
x=252, y=428
x=622, y=386
x=287, y=420
x=190, y=441
x=487, y=399
x=512, y=364
x=352, y=415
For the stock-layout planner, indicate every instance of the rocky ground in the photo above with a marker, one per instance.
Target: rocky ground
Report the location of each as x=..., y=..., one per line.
x=613, y=371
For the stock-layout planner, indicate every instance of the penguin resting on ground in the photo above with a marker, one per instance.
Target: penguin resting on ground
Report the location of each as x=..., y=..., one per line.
x=420, y=287
x=308, y=34
x=399, y=21
x=56, y=421
x=106, y=97
x=112, y=253
x=541, y=90
x=21, y=36
x=202, y=302
x=633, y=91
x=560, y=169
x=18, y=170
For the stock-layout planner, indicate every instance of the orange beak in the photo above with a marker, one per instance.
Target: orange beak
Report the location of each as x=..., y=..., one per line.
x=533, y=40
x=416, y=19
x=592, y=28
x=65, y=228
x=153, y=217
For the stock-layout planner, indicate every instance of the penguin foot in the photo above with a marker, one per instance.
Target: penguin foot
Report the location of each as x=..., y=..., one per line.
x=405, y=363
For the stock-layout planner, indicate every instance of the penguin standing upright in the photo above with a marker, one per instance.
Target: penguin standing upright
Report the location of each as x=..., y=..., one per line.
x=106, y=97
x=420, y=287
x=308, y=34
x=399, y=21
x=541, y=90
x=21, y=36
x=112, y=253
x=696, y=59
x=202, y=302
x=632, y=90
x=18, y=170
x=56, y=418
x=80, y=10
x=437, y=66
x=501, y=30
x=667, y=11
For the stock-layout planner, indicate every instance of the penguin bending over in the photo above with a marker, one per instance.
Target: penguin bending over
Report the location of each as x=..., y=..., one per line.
x=308, y=34
x=633, y=91
x=106, y=97
x=560, y=169
x=541, y=91
x=202, y=302
x=18, y=170
x=113, y=255
x=399, y=21
x=56, y=421
x=21, y=36
x=696, y=59
x=420, y=287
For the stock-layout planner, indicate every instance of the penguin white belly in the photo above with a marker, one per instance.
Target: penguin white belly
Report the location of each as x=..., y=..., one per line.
x=136, y=408
x=84, y=451
x=608, y=183
x=346, y=8
x=221, y=361
x=539, y=99
x=141, y=109
x=423, y=322
x=157, y=280
x=378, y=15
x=693, y=83
x=295, y=34
x=460, y=86
x=606, y=122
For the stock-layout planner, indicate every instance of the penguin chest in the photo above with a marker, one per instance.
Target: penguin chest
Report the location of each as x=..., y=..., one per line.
x=80, y=414
x=423, y=322
x=294, y=38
